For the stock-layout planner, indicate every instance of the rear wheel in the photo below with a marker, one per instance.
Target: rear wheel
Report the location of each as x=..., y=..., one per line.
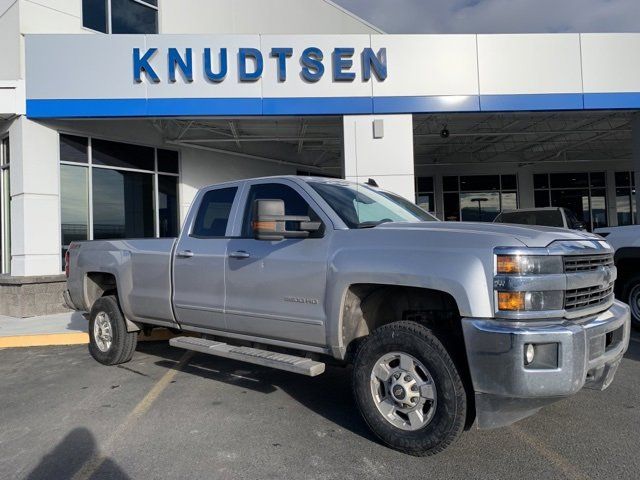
x=408, y=389
x=109, y=341
x=631, y=295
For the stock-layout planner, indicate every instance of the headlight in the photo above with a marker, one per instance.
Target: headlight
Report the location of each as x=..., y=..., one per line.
x=529, y=264
x=530, y=301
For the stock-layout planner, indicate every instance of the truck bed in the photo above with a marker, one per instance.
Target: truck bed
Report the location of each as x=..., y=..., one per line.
x=142, y=268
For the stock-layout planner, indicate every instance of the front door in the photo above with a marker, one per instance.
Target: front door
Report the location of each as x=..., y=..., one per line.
x=276, y=289
x=200, y=258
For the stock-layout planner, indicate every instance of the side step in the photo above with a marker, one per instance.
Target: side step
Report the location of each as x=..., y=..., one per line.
x=281, y=361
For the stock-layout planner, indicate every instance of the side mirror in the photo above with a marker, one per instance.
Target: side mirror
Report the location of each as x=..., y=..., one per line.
x=269, y=222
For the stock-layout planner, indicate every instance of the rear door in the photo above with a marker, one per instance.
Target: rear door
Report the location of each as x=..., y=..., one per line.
x=276, y=289
x=199, y=261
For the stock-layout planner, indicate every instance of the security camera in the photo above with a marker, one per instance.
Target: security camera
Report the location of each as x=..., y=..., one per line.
x=444, y=133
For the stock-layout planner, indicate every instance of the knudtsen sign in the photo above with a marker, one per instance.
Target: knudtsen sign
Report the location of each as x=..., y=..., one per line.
x=251, y=64
x=108, y=76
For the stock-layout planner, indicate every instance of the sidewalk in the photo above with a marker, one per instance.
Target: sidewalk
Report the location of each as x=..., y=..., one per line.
x=58, y=329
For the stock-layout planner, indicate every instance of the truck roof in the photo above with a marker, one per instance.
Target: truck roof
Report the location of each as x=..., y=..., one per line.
x=283, y=177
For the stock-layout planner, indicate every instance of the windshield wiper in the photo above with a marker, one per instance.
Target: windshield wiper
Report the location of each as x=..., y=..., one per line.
x=372, y=224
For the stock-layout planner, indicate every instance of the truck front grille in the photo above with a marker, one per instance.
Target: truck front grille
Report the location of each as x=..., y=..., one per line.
x=586, y=263
x=588, y=297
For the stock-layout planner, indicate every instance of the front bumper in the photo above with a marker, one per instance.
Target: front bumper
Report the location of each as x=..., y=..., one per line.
x=584, y=353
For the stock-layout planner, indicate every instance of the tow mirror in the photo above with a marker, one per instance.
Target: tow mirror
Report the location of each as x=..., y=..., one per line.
x=269, y=222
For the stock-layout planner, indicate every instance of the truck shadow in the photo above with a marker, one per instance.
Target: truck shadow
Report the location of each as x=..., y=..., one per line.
x=78, y=450
x=328, y=395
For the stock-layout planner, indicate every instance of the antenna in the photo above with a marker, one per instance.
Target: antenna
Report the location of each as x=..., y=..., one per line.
x=372, y=183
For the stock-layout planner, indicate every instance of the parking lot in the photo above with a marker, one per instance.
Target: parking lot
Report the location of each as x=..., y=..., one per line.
x=171, y=414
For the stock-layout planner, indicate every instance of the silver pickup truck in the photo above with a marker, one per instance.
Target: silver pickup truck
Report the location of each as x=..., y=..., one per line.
x=445, y=324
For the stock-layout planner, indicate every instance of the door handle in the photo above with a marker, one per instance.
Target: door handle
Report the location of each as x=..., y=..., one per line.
x=184, y=254
x=239, y=254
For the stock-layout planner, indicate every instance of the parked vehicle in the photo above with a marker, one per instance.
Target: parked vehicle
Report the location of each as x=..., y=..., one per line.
x=444, y=323
x=626, y=242
x=547, y=217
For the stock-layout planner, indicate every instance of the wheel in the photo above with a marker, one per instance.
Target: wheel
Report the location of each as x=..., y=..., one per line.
x=631, y=295
x=408, y=389
x=109, y=341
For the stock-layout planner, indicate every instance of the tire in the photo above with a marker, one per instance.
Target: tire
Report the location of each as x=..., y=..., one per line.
x=106, y=321
x=631, y=296
x=437, y=417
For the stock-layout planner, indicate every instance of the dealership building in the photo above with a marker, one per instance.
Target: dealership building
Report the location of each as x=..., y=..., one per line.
x=114, y=112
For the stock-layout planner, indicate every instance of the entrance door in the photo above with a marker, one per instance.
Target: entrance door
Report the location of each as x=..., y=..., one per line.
x=277, y=289
x=199, y=286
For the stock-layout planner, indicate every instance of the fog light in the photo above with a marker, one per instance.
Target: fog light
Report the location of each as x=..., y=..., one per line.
x=529, y=353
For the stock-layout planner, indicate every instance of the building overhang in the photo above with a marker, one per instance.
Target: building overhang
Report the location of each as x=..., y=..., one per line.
x=100, y=76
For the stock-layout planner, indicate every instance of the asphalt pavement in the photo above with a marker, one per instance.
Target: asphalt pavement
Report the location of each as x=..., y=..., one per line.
x=173, y=414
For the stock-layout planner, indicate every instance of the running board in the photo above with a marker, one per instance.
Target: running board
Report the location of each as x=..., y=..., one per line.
x=281, y=361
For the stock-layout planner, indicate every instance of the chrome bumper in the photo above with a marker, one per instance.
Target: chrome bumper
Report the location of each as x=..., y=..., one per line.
x=580, y=353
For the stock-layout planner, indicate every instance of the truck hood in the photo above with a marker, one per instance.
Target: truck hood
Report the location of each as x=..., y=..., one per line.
x=530, y=236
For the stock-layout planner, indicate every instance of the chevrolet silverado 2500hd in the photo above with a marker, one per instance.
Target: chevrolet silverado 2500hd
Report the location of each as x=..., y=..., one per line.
x=444, y=323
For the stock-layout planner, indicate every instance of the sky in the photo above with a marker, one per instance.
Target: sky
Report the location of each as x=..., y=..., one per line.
x=498, y=16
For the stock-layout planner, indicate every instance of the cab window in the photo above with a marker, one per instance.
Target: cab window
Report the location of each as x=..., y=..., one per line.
x=213, y=214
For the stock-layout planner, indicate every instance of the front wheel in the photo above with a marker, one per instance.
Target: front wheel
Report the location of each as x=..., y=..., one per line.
x=408, y=389
x=631, y=295
x=109, y=341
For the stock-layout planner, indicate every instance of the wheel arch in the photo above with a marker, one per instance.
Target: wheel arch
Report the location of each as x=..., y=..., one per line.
x=99, y=284
x=368, y=306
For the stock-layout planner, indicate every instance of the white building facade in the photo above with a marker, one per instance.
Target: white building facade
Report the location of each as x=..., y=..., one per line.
x=114, y=112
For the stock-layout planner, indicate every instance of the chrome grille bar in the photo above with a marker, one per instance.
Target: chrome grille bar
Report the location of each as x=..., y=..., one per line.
x=588, y=297
x=585, y=263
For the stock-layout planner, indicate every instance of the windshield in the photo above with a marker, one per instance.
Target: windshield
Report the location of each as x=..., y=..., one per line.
x=360, y=206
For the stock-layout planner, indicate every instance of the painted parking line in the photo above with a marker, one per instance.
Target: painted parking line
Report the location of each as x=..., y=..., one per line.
x=41, y=340
x=70, y=338
x=569, y=470
x=93, y=464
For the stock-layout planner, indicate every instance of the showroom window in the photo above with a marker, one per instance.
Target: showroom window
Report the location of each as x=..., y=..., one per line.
x=120, y=16
x=585, y=194
x=5, y=207
x=478, y=198
x=116, y=190
x=626, y=198
x=425, y=197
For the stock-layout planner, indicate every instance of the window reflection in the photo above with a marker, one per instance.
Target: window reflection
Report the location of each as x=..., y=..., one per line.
x=625, y=198
x=575, y=192
x=479, y=206
x=168, y=205
x=74, y=199
x=122, y=204
x=479, y=198
x=128, y=16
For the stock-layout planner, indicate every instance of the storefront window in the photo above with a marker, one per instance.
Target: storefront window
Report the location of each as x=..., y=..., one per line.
x=116, y=190
x=625, y=198
x=122, y=204
x=127, y=16
x=479, y=198
x=74, y=203
x=5, y=207
x=425, y=197
x=582, y=193
x=168, y=205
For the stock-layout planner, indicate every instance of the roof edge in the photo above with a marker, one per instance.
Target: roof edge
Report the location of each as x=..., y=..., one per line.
x=354, y=16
